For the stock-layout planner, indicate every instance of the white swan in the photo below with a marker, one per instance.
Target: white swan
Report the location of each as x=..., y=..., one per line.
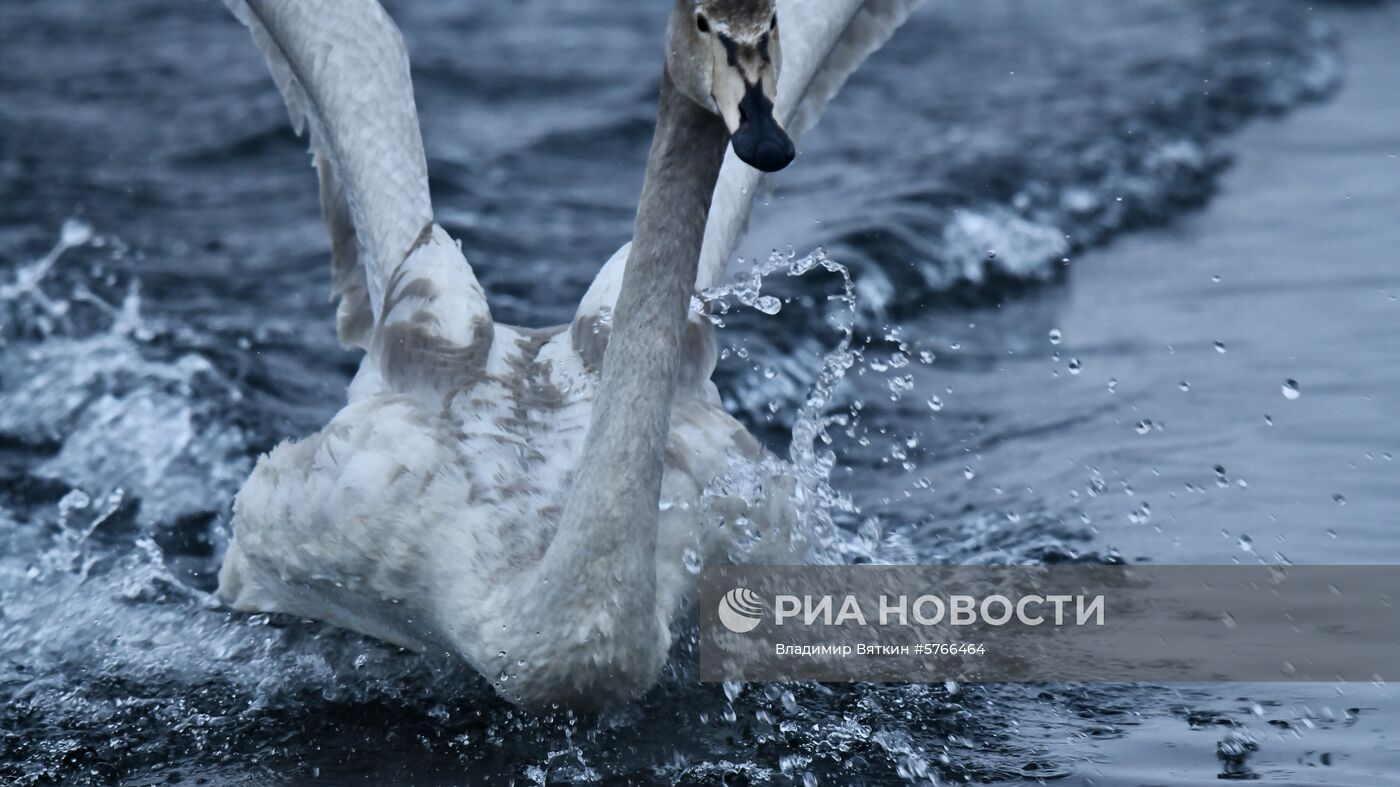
x=491, y=491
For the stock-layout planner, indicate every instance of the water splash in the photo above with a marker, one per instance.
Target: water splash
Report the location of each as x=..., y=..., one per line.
x=124, y=418
x=146, y=438
x=24, y=290
x=810, y=459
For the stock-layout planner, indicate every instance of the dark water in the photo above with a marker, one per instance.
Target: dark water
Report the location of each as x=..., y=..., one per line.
x=142, y=372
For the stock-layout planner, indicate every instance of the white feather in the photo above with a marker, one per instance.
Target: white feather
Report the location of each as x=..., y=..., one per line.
x=343, y=71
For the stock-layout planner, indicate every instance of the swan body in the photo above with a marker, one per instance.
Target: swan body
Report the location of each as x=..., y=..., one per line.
x=414, y=519
x=525, y=499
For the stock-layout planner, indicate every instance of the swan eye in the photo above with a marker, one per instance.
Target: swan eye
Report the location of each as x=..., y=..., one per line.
x=701, y=23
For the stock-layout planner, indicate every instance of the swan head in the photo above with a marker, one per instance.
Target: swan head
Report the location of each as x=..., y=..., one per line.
x=725, y=56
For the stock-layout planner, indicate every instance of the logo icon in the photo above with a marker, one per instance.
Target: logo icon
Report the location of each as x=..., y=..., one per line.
x=741, y=610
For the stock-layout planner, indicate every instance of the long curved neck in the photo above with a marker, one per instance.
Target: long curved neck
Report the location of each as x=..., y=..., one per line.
x=607, y=533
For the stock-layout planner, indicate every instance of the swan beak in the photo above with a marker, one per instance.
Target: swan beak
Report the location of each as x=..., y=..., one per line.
x=743, y=86
x=757, y=138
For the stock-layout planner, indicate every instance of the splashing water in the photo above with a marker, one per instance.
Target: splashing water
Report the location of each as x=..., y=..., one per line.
x=124, y=421
x=24, y=289
x=810, y=459
x=122, y=548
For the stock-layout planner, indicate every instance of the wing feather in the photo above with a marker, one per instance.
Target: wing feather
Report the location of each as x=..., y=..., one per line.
x=342, y=69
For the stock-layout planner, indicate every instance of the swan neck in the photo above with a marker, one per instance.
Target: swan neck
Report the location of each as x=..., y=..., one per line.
x=606, y=541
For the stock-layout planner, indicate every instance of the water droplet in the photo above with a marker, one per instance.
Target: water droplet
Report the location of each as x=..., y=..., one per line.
x=1113, y=385
x=1141, y=514
x=969, y=473
x=935, y=404
x=75, y=233
x=1291, y=390
x=1075, y=366
x=1184, y=385
x=789, y=703
x=1339, y=500
x=1220, y=347
x=1055, y=336
x=899, y=386
x=1096, y=487
x=1144, y=426
x=768, y=304
x=693, y=562
x=73, y=501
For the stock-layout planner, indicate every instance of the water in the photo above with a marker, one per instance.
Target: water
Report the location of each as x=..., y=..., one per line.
x=143, y=371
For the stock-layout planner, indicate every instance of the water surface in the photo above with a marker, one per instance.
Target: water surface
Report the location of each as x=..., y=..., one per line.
x=143, y=371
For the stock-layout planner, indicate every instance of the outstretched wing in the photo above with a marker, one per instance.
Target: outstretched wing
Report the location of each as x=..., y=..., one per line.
x=342, y=68
x=824, y=42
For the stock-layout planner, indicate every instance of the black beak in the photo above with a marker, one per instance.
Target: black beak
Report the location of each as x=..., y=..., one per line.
x=760, y=142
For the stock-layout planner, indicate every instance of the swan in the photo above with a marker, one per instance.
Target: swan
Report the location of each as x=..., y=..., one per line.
x=525, y=499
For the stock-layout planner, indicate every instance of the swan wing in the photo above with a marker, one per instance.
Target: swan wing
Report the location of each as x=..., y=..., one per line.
x=824, y=42
x=343, y=70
